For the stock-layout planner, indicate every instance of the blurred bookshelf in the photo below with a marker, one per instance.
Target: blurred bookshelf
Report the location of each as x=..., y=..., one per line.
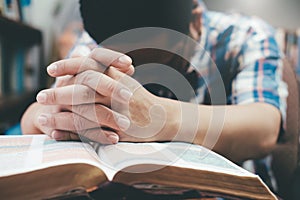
x=19, y=32
x=12, y=108
x=21, y=67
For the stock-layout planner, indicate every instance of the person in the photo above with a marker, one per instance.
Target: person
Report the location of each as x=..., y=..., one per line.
x=107, y=105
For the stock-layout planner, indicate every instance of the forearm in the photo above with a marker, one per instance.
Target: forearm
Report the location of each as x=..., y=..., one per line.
x=239, y=132
x=250, y=131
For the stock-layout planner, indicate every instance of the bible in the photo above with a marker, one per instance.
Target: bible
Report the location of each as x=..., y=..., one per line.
x=38, y=167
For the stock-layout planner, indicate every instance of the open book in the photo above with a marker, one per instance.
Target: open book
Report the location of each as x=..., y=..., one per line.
x=35, y=167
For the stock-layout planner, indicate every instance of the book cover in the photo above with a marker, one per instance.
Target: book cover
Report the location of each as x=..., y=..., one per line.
x=11, y=9
x=1, y=7
x=25, y=11
x=20, y=59
x=1, y=68
x=298, y=54
x=32, y=68
x=7, y=60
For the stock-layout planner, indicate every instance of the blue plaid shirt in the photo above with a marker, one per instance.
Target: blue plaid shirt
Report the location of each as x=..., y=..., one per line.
x=246, y=54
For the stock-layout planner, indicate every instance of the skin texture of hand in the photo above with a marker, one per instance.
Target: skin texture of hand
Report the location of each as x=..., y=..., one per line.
x=37, y=115
x=87, y=108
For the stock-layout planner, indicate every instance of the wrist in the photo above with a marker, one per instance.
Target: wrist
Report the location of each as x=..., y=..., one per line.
x=171, y=119
x=183, y=122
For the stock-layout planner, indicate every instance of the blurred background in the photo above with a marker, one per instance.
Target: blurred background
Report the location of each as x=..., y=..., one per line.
x=279, y=13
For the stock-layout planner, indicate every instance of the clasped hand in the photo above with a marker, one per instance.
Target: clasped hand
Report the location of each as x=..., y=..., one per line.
x=95, y=99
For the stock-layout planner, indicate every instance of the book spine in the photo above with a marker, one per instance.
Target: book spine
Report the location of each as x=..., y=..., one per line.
x=20, y=10
x=1, y=69
x=1, y=7
x=298, y=53
x=11, y=9
x=32, y=68
x=20, y=71
x=6, y=67
x=12, y=78
x=25, y=10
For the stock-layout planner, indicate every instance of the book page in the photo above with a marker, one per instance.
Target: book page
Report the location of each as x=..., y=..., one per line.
x=199, y=157
x=114, y=158
x=20, y=154
x=122, y=155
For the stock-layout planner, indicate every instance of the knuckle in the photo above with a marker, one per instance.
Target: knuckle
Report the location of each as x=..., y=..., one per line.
x=78, y=122
x=99, y=114
x=87, y=64
x=98, y=57
x=104, y=56
x=86, y=76
x=53, y=122
x=110, y=86
x=63, y=66
x=62, y=81
x=108, y=71
x=87, y=94
x=85, y=110
x=94, y=53
x=107, y=118
x=80, y=109
x=96, y=60
x=52, y=96
x=114, y=73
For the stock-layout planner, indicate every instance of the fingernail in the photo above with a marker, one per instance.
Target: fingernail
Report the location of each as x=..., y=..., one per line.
x=43, y=119
x=41, y=97
x=113, y=138
x=52, y=69
x=123, y=123
x=56, y=135
x=125, y=60
x=125, y=94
